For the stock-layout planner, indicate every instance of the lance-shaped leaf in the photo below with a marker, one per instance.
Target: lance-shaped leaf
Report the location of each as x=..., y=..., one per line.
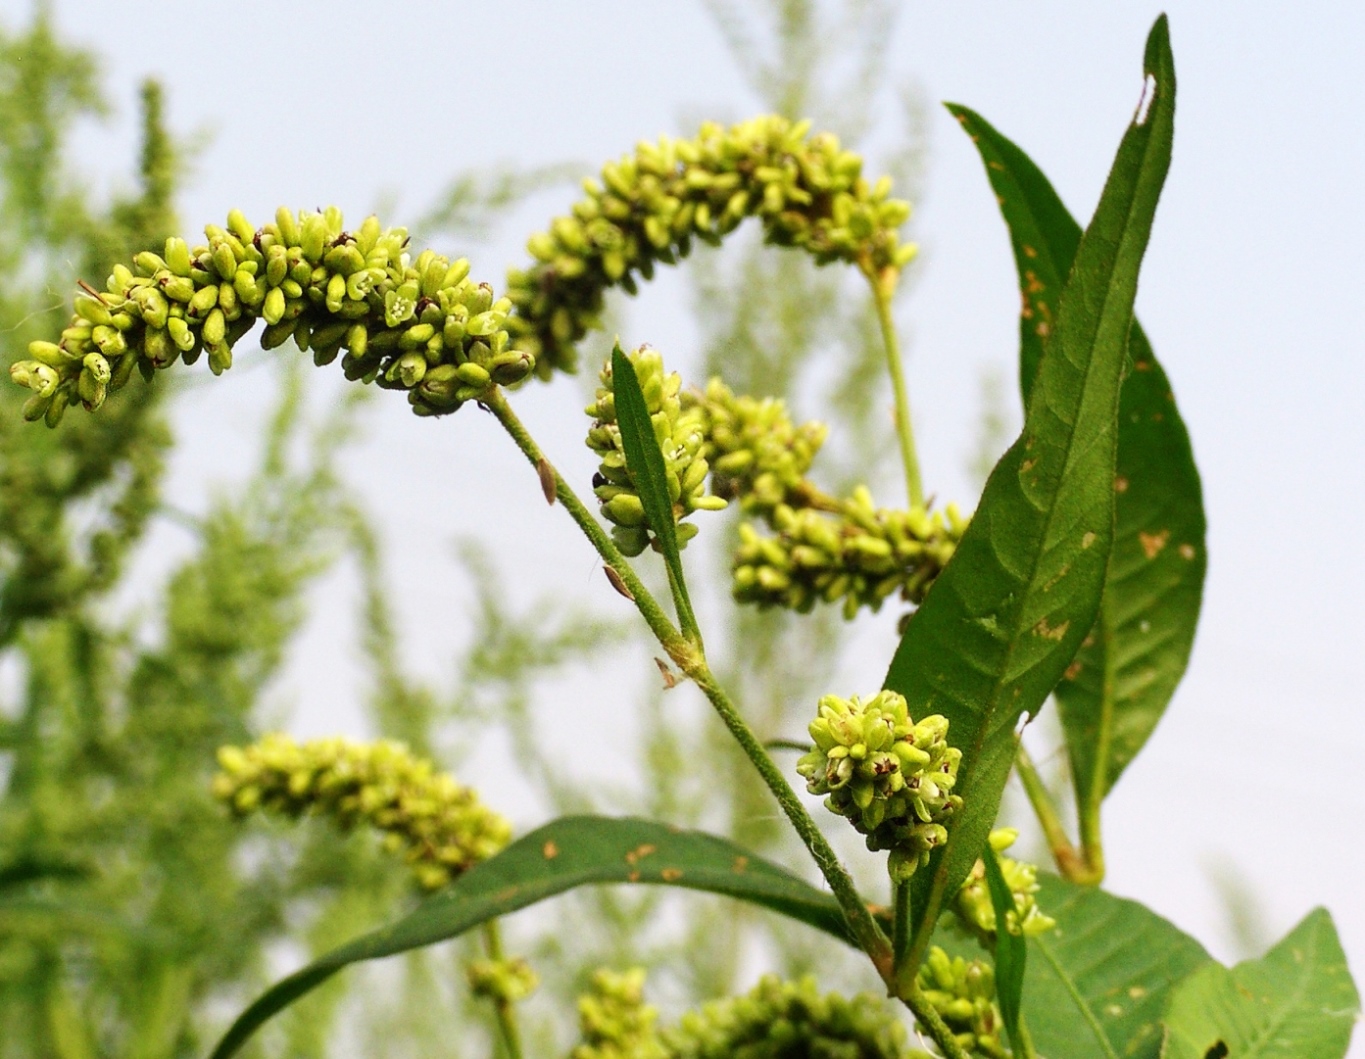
x=645, y=462
x=1099, y=983
x=1011, y=950
x=1296, y=1002
x=1004, y=619
x=564, y=854
x=1126, y=671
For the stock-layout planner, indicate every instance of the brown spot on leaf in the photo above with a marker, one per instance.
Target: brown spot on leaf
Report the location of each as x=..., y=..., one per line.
x=1043, y=329
x=671, y=874
x=1088, y=539
x=1028, y=465
x=1142, y=365
x=633, y=877
x=741, y=863
x=550, y=850
x=1048, y=632
x=1029, y=251
x=1073, y=671
x=1120, y=484
x=996, y=166
x=640, y=852
x=1187, y=551
x=1152, y=543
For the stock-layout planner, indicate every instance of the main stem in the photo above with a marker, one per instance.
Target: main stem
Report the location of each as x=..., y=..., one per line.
x=883, y=289
x=502, y=1007
x=691, y=660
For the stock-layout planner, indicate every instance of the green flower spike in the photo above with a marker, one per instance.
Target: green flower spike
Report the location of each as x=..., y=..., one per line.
x=417, y=325
x=681, y=437
x=859, y=556
x=757, y=454
x=973, y=906
x=443, y=827
x=506, y=981
x=963, y=994
x=615, y=1022
x=790, y=1020
x=649, y=207
x=891, y=777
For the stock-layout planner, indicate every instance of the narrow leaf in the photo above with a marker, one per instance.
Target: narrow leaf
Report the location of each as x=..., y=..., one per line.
x=1126, y=671
x=645, y=462
x=1296, y=1002
x=564, y=854
x=1011, y=950
x=1004, y=619
x=1098, y=984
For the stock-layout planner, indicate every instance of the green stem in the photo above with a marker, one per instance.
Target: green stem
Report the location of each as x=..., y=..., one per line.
x=930, y=1020
x=900, y=936
x=504, y=1009
x=689, y=657
x=1075, y=866
x=883, y=288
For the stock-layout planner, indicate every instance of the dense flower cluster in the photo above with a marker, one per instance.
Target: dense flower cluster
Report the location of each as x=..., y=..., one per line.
x=858, y=556
x=789, y=1020
x=973, y=905
x=891, y=777
x=757, y=454
x=614, y=1020
x=963, y=994
x=649, y=207
x=680, y=436
x=418, y=325
x=443, y=827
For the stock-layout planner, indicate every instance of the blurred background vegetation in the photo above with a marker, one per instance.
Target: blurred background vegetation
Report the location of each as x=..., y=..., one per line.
x=135, y=916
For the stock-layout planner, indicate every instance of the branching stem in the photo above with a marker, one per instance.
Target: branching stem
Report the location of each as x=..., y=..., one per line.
x=1077, y=866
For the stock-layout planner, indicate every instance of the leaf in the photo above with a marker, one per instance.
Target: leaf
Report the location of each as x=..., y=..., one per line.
x=1099, y=983
x=1125, y=673
x=1005, y=617
x=1296, y=1002
x=645, y=462
x=564, y=854
x=1011, y=950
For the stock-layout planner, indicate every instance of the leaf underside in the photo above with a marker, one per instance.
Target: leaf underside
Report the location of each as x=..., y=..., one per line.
x=1002, y=622
x=564, y=854
x=1125, y=672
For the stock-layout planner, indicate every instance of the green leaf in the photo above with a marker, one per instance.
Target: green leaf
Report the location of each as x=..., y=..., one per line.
x=564, y=854
x=1011, y=950
x=1126, y=671
x=1004, y=619
x=1296, y=1002
x=1098, y=984
x=645, y=462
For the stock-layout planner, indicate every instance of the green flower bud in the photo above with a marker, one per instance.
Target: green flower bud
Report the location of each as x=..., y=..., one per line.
x=503, y=981
x=889, y=776
x=441, y=826
x=963, y=995
x=973, y=906
x=615, y=1022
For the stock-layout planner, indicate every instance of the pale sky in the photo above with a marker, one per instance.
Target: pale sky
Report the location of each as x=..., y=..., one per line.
x=1250, y=294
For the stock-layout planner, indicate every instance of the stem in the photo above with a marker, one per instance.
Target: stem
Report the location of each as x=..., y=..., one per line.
x=930, y=1020
x=883, y=287
x=900, y=937
x=1025, y=1042
x=1075, y=866
x=689, y=658
x=504, y=1008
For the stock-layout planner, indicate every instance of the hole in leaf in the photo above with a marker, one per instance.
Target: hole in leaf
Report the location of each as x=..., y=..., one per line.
x=1144, y=105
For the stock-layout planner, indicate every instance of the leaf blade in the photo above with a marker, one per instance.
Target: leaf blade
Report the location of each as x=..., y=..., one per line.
x=1121, y=683
x=564, y=854
x=1007, y=614
x=1011, y=950
x=1296, y=1002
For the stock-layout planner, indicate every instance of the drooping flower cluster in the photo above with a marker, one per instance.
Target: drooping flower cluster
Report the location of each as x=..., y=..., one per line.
x=789, y=1020
x=973, y=904
x=757, y=454
x=649, y=207
x=891, y=777
x=680, y=436
x=858, y=557
x=614, y=1020
x=442, y=828
x=418, y=325
x=963, y=994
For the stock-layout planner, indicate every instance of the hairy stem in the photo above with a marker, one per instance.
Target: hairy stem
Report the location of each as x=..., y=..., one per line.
x=504, y=1009
x=688, y=656
x=900, y=937
x=930, y=1020
x=883, y=288
x=1073, y=865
